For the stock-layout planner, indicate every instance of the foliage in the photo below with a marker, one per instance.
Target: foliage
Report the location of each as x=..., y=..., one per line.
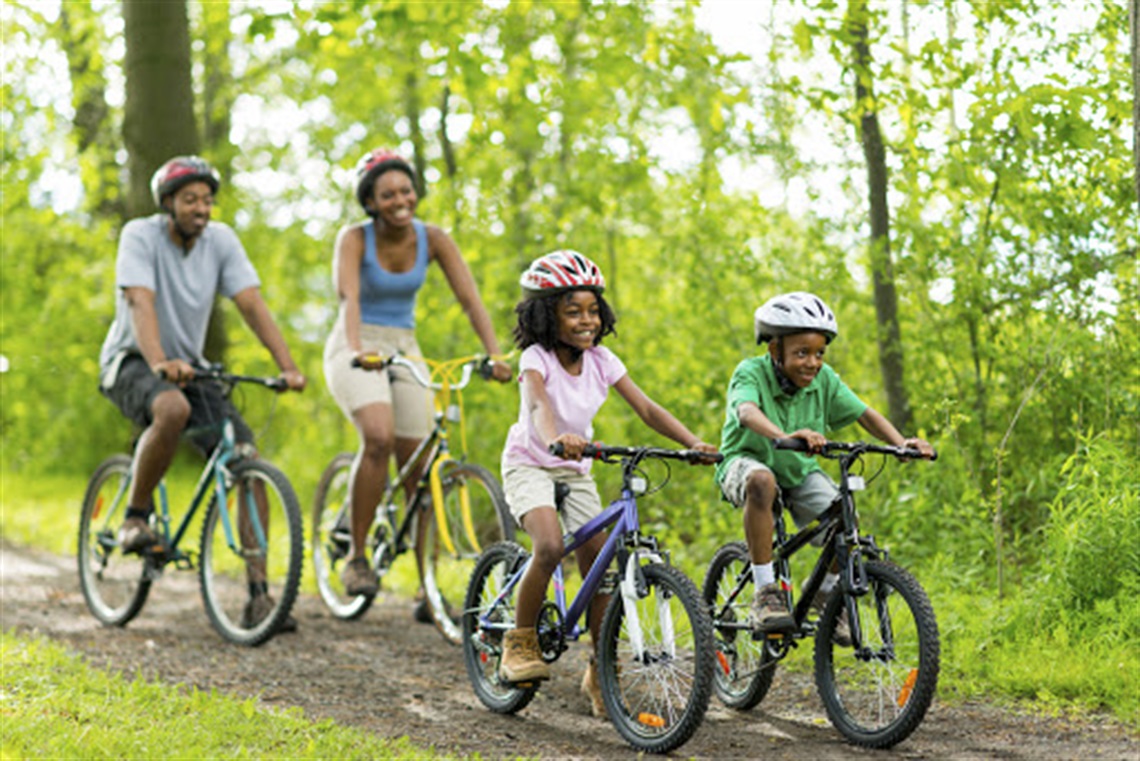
x=55, y=706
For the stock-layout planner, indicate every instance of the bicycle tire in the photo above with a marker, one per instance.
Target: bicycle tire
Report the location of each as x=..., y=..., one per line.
x=877, y=696
x=271, y=547
x=445, y=571
x=745, y=666
x=332, y=541
x=114, y=585
x=482, y=648
x=658, y=701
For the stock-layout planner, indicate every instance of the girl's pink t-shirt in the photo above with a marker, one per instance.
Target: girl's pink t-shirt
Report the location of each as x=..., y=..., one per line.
x=575, y=400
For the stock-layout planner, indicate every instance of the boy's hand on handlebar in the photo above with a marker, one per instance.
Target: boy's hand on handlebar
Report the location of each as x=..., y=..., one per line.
x=922, y=446
x=174, y=370
x=571, y=444
x=814, y=439
x=294, y=380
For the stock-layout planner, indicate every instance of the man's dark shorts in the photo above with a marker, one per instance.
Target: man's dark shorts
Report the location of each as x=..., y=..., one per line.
x=135, y=388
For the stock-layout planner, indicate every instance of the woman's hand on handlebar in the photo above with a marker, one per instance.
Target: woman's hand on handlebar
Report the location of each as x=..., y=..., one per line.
x=502, y=372
x=572, y=445
x=368, y=360
x=174, y=370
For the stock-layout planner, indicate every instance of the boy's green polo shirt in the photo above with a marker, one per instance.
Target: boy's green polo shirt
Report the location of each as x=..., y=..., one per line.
x=825, y=405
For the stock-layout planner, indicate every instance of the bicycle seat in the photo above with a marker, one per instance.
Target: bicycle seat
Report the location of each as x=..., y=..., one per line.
x=561, y=492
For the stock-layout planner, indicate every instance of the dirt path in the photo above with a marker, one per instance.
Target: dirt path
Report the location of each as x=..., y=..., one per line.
x=390, y=676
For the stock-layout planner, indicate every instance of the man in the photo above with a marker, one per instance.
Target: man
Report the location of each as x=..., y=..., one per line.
x=170, y=267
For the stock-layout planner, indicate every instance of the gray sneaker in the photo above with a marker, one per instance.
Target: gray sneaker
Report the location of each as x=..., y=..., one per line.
x=260, y=606
x=136, y=535
x=769, y=611
x=359, y=578
x=842, y=634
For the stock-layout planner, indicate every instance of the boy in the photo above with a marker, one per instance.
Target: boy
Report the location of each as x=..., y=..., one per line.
x=789, y=392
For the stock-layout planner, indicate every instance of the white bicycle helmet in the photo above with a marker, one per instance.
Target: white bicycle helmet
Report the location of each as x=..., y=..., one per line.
x=562, y=270
x=797, y=312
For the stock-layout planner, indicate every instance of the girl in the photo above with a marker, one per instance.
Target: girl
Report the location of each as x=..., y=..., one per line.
x=565, y=376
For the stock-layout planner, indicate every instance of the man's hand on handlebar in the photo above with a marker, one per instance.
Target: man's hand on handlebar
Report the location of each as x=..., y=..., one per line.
x=174, y=370
x=294, y=379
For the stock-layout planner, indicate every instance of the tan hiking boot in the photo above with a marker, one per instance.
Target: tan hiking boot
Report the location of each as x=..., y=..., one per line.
x=592, y=689
x=842, y=634
x=522, y=660
x=769, y=611
x=359, y=578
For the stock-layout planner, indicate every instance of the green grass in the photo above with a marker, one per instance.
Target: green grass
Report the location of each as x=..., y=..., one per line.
x=54, y=705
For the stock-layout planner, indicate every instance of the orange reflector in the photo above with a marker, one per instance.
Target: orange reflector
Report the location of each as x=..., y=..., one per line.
x=651, y=720
x=908, y=685
x=98, y=507
x=723, y=662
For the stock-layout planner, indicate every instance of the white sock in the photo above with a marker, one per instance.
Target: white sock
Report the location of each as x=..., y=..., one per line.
x=828, y=583
x=762, y=574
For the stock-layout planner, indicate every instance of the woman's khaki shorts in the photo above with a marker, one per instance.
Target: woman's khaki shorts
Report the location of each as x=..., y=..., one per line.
x=528, y=487
x=354, y=387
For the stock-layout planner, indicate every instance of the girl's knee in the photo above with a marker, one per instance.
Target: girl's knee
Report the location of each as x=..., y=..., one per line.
x=548, y=553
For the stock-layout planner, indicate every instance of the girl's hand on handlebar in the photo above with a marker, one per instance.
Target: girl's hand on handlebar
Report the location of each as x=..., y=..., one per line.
x=814, y=439
x=294, y=379
x=174, y=370
x=701, y=446
x=572, y=445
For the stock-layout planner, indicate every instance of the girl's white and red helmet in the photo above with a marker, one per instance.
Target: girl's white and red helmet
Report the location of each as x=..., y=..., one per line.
x=797, y=312
x=180, y=171
x=562, y=270
x=372, y=165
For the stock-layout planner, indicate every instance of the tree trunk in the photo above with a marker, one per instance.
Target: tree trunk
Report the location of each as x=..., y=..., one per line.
x=882, y=270
x=158, y=119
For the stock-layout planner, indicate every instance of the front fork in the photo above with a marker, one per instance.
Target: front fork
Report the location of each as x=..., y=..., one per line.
x=633, y=587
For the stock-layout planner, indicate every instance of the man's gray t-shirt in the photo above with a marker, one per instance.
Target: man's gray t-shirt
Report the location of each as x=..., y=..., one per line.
x=184, y=284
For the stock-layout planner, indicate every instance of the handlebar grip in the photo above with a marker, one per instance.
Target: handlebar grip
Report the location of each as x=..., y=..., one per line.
x=558, y=450
x=357, y=363
x=486, y=368
x=798, y=445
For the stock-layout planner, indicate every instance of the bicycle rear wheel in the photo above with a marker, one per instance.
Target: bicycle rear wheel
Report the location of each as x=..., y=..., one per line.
x=877, y=693
x=332, y=538
x=656, y=694
x=114, y=585
x=476, y=516
x=483, y=646
x=252, y=549
x=745, y=667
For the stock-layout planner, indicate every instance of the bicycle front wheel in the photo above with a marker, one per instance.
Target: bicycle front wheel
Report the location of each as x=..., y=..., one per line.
x=486, y=619
x=114, y=585
x=475, y=517
x=331, y=538
x=745, y=667
x=656, y=661
x=251, y=554
x=877, y=692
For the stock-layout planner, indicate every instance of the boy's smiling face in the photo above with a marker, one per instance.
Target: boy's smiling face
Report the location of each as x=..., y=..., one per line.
x=802, y=356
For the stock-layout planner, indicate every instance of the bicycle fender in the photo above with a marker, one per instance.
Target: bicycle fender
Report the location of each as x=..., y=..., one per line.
x=437, y=501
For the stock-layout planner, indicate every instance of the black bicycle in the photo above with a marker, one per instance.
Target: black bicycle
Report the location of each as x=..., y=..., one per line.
x=878, y=684
x=251, y=535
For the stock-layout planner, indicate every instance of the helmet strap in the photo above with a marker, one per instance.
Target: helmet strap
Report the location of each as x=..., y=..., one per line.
x=776, y=351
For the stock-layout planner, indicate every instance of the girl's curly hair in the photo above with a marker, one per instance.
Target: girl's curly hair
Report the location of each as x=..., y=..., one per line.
x=538, y=320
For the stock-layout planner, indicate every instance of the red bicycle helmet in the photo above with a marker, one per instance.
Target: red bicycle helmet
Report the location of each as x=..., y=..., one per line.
x=372, y=165
x=562, y=270
x=180, y=171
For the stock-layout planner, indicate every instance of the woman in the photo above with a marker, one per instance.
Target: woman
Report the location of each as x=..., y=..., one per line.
x=378, y=269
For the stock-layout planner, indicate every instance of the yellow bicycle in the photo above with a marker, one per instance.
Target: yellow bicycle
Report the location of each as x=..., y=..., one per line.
x=456, y=509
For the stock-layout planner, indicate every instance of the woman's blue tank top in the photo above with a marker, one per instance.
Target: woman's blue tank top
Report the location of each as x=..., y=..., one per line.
x=389, y=298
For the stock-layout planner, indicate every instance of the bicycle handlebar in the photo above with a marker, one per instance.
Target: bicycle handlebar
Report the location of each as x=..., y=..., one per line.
x=856, y=447
x=605, y=452
x=217, y=373
x=480, y=363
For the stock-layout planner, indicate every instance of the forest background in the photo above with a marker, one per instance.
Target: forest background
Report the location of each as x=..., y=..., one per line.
x=957, y=179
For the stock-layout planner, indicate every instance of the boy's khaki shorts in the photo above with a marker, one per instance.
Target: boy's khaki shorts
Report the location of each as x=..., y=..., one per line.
x=528, y=487
x=805, y=502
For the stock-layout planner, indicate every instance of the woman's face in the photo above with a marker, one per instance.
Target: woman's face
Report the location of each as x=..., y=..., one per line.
x=802, y=356
x=579, y=319
x=394, y=198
